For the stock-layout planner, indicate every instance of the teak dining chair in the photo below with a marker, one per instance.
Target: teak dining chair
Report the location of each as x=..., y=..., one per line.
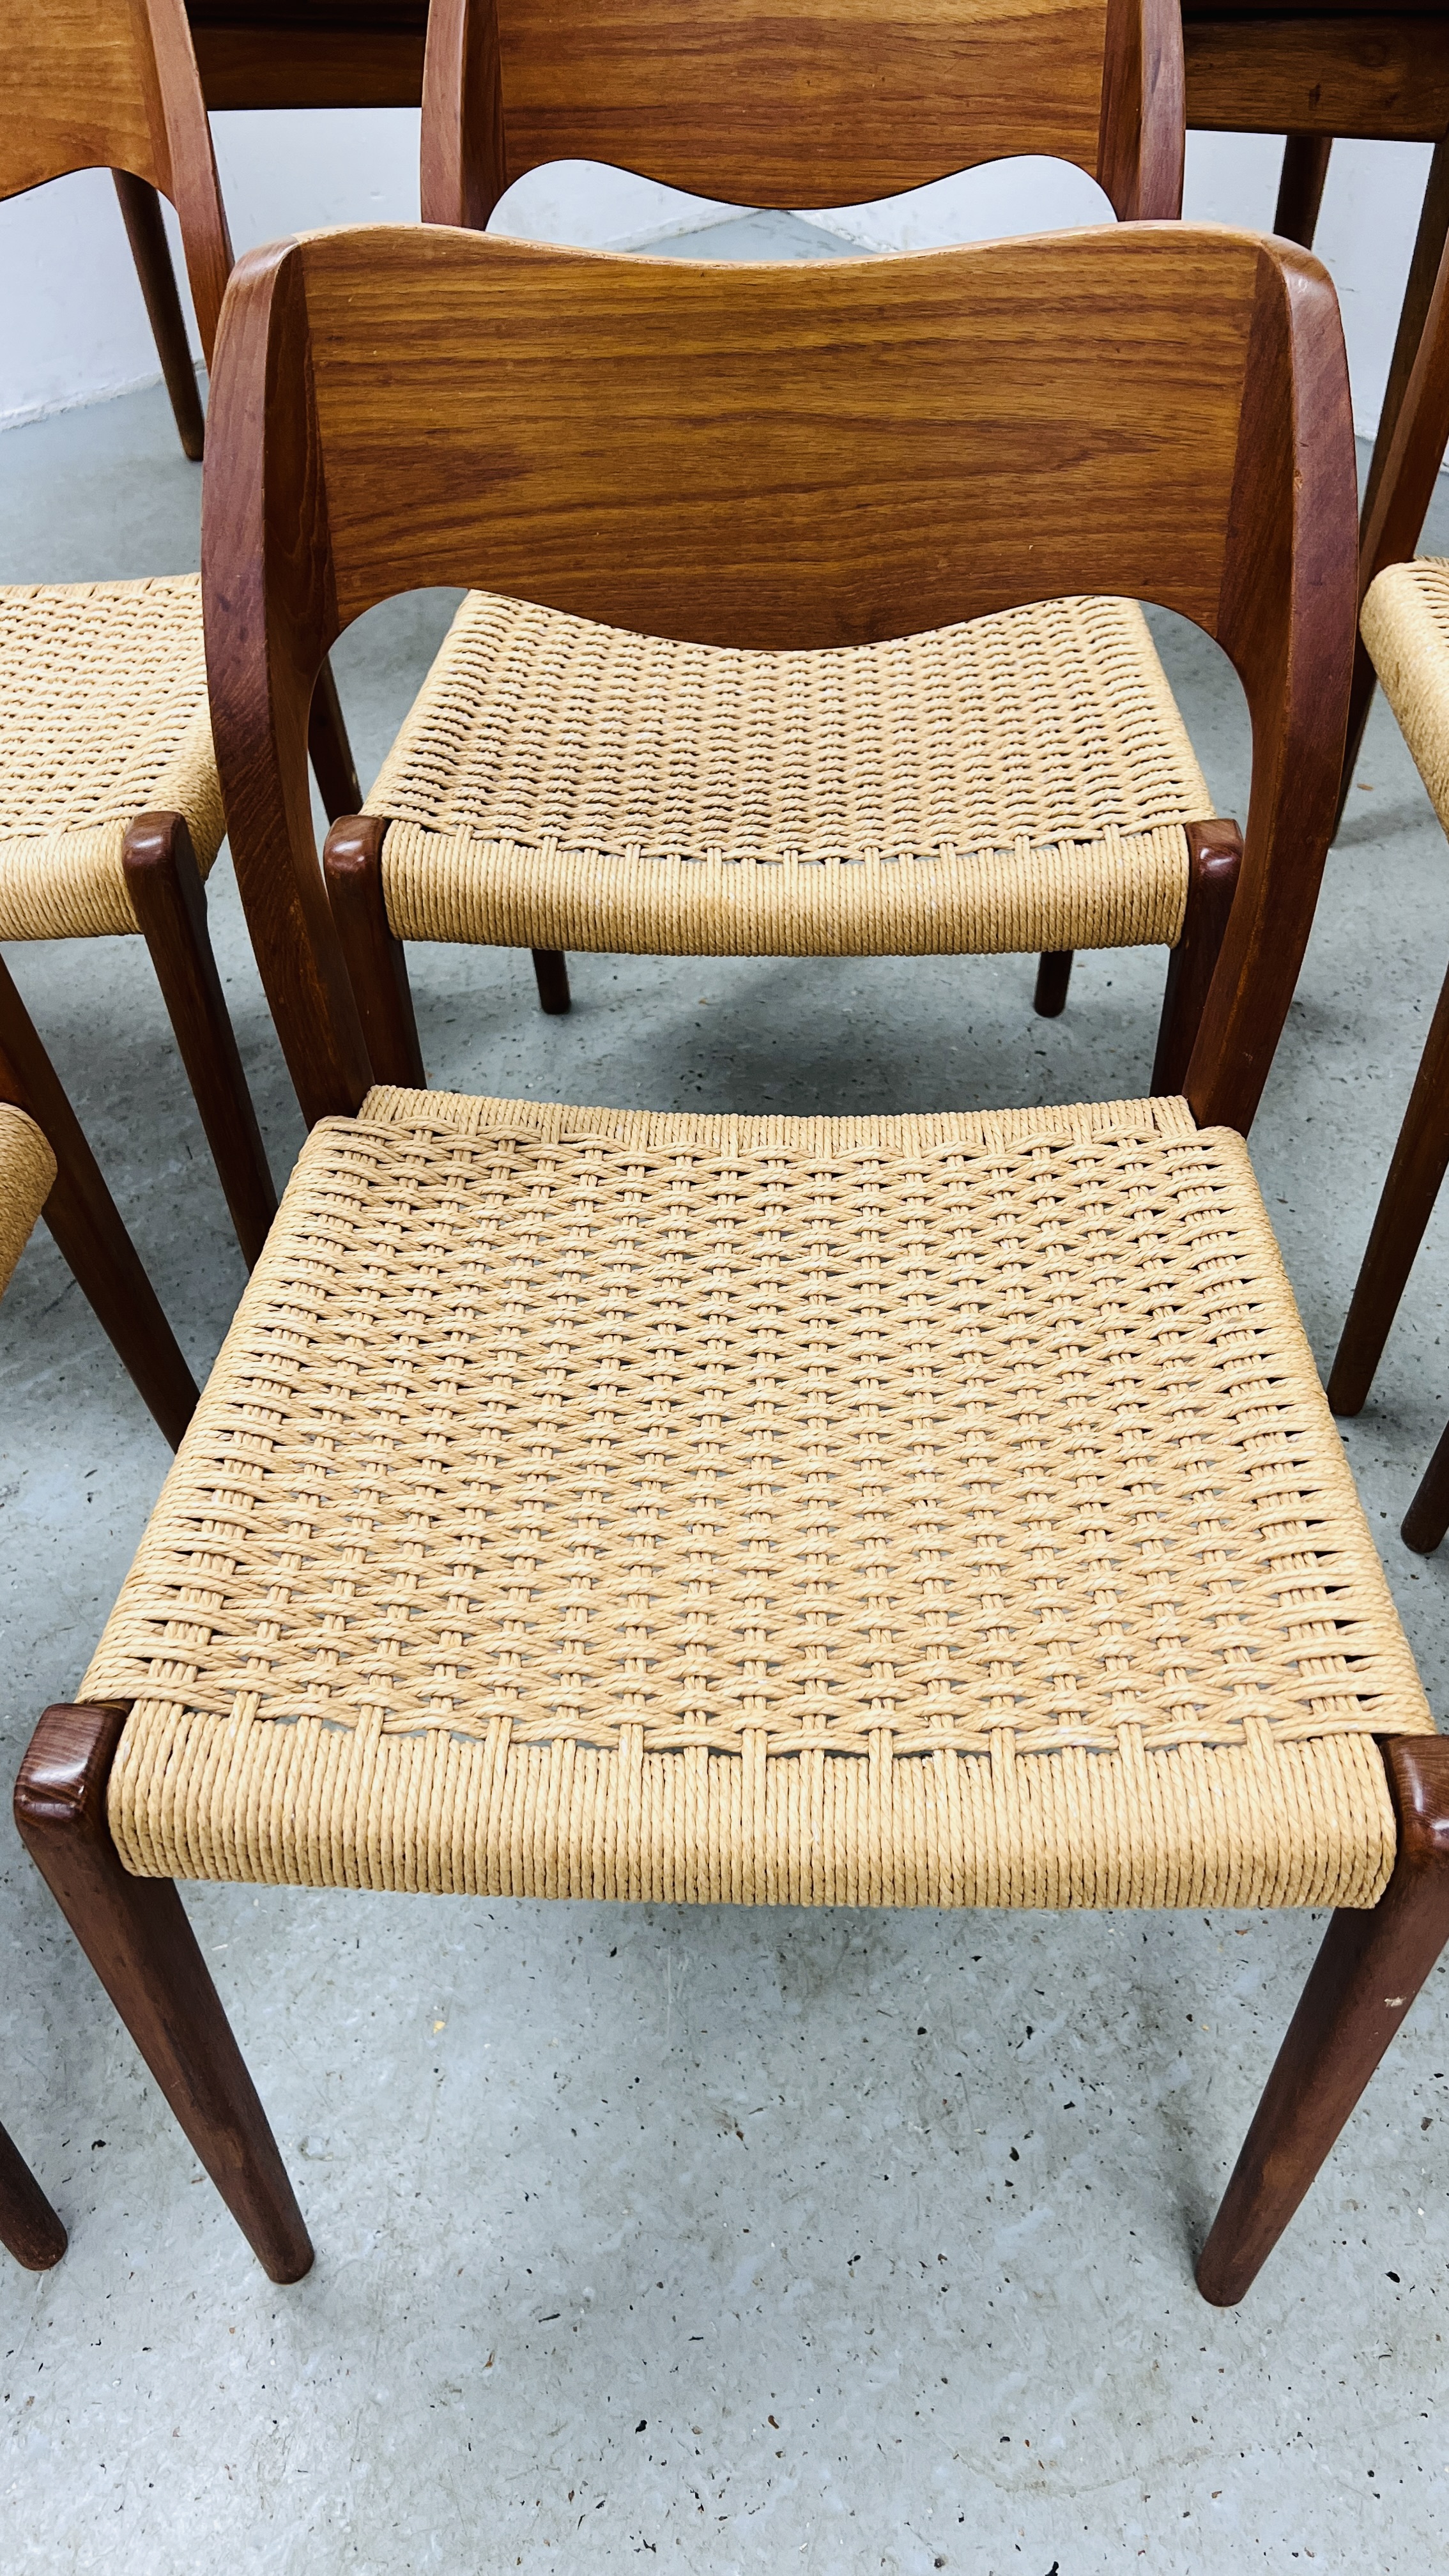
x=1404, y=637
x=872, y=1511
x=110, y=809
x=560, y=786
x=46, y=1167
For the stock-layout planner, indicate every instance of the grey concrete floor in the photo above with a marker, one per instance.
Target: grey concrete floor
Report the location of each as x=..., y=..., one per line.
x=741, y=2241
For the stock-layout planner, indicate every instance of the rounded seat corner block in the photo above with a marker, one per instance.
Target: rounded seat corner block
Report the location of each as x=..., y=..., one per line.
x=883, y=1511
x=103, y=686
x=1023, y=782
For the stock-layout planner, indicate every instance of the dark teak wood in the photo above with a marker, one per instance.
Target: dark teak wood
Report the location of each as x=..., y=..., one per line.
x=1371, y=1965
x=136, y=1936
x=1053, y=978
x=376, y=964
x=29, y=2227
x=1427, y=1517
x=1420, y=1160
x=1214, y=860
x=146, y=233
x=84, y=1219
x=1300, y=189
x=602, y=473
x=704, y=102
x=165, y=887
x=551, y=975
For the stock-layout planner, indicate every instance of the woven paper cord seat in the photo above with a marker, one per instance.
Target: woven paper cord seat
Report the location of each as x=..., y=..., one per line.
x=1019, y=783
x=104, y=714
x=936, y=1510
x=1405, y=625
x=27, y=1170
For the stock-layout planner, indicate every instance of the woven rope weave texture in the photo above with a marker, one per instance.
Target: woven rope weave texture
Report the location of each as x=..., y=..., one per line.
x=27, y=1170
x=104, y=708
x=1406, y=629
x=1015, y=784
x=922, y=1509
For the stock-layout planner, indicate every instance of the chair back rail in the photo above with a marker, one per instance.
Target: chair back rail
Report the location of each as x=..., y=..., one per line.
x=112, y=84
x=782, y=457
x=824, y=103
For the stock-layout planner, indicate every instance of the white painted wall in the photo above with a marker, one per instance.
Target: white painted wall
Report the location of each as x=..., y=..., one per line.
x=73, y=328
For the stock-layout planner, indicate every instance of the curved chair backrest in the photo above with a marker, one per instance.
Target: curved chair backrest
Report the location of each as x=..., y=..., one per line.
x=781, y=456
x=112, y=84
x=819, y=103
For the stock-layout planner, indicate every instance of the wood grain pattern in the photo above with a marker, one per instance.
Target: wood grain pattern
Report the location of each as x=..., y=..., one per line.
x=307, y=56
x=1373, y=73
x=830, y=103
x=112, y=84
x=783, y=457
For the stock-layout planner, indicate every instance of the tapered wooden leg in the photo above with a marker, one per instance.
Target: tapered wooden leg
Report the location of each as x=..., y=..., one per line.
x=1214, y=856
x=1421, y=1158
x=138, y=1940
x=1361, y=698
x=551, y=973
x=29, y=2228
x=1423, y=269
x=1427, y=1517
x=332, y=760
x=165, y=887
x=141, y=210
x=376, y=965
x=1300, y=188
x=86, y=1223
x=1053, y=975
x=1372, y=1963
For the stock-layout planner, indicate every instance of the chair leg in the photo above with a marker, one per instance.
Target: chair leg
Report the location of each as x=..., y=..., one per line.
x=1361, y=698
x=29, y=2228
x=332, y=761
x=1423, y=270
x=376, y=964
x=1371, y=1965
x=1053, y=975
x=1300, y=187
x=165, y=887
x=86, y=1223
x=1427, y=1517
x=1406, y=1204
x=141, y=212
x=1215, y=854
x=551, y=974
x=137, y=1938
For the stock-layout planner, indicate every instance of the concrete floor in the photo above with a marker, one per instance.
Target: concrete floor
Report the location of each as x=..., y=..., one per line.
x=743, y=2241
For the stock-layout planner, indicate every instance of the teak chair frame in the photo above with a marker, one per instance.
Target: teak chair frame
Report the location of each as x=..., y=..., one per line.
x=835, y=103
x=398, y=409
x=87, y=1226
x=838, y=103
x=113, y=83
x=1420, y=1159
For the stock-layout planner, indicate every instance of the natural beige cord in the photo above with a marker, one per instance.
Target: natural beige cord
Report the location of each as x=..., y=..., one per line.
x=1406, y=628
x=27, y=1171
x=1016, y=784
x=103, y=716
x=899, y=1510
